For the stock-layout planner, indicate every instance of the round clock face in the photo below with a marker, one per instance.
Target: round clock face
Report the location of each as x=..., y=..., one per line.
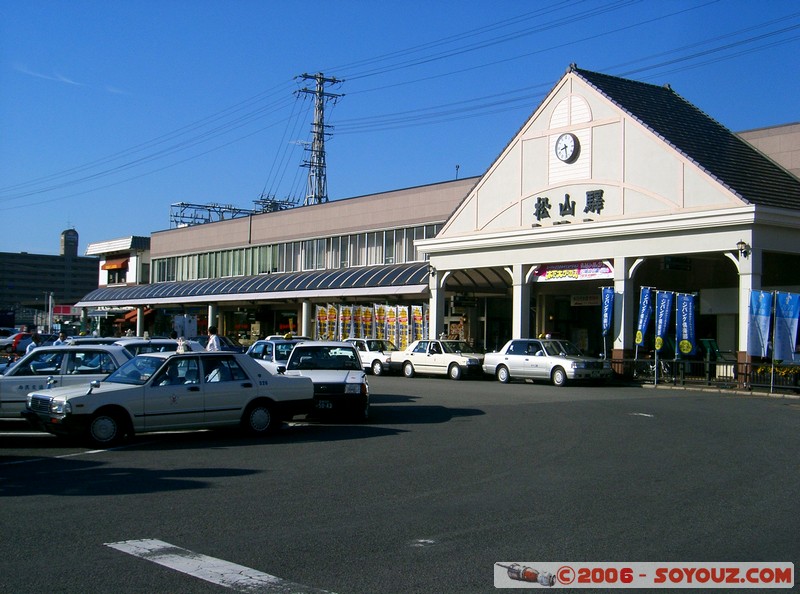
x=567, y=148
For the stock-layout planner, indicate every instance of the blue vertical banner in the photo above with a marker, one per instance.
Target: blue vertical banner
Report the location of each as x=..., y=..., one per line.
x=663, y=311
x=685, y=324
x=758, y=329
x=787, y=310
x=608, y=308
x=645, y=311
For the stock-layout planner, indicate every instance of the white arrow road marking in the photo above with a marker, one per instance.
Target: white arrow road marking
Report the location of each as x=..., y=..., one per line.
x=216, y=571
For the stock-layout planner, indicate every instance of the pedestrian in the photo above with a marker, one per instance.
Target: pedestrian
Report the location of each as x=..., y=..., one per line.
x=61, y=340
x=36, y=340
x=213, y=339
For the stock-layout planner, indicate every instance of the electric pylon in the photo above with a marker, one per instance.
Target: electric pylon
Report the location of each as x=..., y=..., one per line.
x=317, y=190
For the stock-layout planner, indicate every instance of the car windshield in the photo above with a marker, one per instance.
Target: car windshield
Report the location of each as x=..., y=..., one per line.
x=562, y=347
x=324, y=357
x=381, y=345
x=456, y=346
x=136, y=371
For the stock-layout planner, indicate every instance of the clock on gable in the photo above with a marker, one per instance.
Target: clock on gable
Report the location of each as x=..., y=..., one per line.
x=567, y=147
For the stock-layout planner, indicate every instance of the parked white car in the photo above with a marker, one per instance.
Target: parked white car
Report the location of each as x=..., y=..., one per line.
x=554, y=360
x=55, y=366
x=453, y=358
x=340, y=383
x=375, y=354
x=169, y=391
x=272, y=353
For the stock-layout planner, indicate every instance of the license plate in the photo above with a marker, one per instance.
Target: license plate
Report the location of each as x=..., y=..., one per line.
x=324, y=404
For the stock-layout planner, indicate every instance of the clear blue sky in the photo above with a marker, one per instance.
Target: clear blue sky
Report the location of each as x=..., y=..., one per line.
x=112, y=111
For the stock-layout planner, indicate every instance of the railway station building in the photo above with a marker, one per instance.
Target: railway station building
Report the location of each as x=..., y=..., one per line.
x=610, y=183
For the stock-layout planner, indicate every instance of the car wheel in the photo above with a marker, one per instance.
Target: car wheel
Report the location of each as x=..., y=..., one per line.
x=106, y=429
x=377, y=368
x=259, y=419
x=408, y=369
x=503, y=376
x=559, y=377
x=454, y=372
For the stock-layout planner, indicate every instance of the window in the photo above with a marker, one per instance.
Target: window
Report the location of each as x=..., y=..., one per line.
x=345, y=255
x=89, y=362
x=319, y=258
x=356, y=255
x=41, y=364
x=222, y=369
x=374, y=248
x=178, y=372
x=308, y=255
x=388, y=250
x=422, y=347
x=118, y=276
x=278, y=257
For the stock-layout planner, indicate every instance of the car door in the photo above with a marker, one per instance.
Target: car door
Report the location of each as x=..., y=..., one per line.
x=517, y=359
x=438, y=359
x=419, y=357
x=363, y=355
x=536, y=361
x=226, y=387
x=174, y=397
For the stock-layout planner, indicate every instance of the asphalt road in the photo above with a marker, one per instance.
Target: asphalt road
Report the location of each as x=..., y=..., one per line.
x=446, y=479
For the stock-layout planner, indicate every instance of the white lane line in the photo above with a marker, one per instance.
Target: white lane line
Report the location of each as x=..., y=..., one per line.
x=230, y=575
x=638, y=414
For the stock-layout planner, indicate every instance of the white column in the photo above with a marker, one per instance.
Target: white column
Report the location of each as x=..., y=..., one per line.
x=521, y=301
x=305, y=319
x=435, y=303
x=625, y=303
x=749, y=279
x=212, y=315
x=139, y=321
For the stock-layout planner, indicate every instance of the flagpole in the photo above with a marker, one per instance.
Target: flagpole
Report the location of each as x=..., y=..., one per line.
x=677, y=348
x=774, y=327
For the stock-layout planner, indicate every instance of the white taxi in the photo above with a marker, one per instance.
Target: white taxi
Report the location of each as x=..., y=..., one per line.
x=169, y=391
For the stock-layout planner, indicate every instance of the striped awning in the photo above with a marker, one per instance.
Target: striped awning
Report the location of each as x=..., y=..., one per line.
x=404, y=279
x=115, y=264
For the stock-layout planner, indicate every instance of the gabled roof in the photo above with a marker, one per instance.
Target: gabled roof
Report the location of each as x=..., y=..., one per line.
x=744, y=170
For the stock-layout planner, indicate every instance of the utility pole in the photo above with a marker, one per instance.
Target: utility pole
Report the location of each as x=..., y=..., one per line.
x=317, y=190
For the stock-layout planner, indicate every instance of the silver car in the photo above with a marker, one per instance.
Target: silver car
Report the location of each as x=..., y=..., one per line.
x=52, y=367
x=554, y=360
x=139, y=346
x=172, y=391
x=375, y=354
x=272, y=353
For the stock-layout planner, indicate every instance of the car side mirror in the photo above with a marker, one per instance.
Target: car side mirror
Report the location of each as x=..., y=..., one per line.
x=281, y=369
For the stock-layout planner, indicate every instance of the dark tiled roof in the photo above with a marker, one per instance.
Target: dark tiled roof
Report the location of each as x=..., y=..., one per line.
x=726, y=157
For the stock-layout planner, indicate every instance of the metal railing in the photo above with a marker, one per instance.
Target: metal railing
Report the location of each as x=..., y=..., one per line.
x=725, y=373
